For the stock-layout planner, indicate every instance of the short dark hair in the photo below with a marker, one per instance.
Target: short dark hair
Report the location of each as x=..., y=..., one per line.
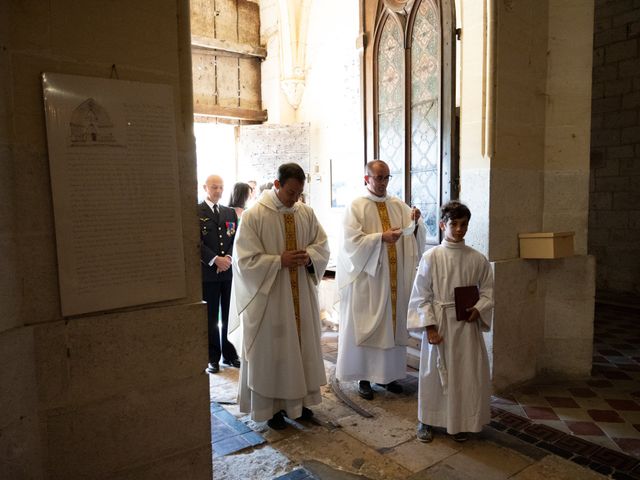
x=290, y=170
x=454, y=210
x=240, y=195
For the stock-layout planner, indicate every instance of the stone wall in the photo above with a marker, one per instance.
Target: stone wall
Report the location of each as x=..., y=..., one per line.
x=117, y=394
x=614, y=217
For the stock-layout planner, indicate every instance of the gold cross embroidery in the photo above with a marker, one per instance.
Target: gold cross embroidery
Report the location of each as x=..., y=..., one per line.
x=393, y=261
x=292, y=244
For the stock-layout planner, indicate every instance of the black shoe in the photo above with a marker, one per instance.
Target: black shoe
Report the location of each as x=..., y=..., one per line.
x=393, y=387
x=277, y=422
x=307, y=414
x=213, y=367
x=232, y=363
x=424, y=433
x=461, y=437
x=364, y=389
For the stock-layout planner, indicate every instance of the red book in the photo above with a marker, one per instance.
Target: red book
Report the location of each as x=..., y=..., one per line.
x=465, y=297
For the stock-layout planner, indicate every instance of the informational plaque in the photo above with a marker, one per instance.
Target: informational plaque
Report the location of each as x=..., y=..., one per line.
x=263, y=148
x=114, y=179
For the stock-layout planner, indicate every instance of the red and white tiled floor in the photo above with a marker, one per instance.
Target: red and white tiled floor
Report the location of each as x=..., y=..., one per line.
x=598, y=417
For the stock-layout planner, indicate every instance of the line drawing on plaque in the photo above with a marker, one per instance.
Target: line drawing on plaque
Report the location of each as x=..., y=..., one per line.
x=91, y=125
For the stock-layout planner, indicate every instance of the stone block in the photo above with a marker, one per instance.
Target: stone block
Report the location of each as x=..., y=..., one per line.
x=618, y=87
x=601, y=23
x=598, y=61
x=114, y=353
x=606, y=104
x=633, y=29
x=612, y=7
x=338, y=449
x=600, y=201
x=631, y=100
x=629, y=167
x=40, y=295
x=630, y=135
x=190, y=465
x=605, y=138
x=381, y=431
x=623, y=118
x=627, y=68
x=102, y=438
x=20, y=435
x=510, y=186
x=625, y=200
x=610, y=218
x=416, y=456
x=553, y=467
x=517, y=324
x=634, y=219
x=113, y=34
x=20, y=447
x=622, y=19
x=610, y=169
x=485, y=461
x=598, y=237
x=605, y=73
x=611, y=184
x=597, y=158
x=623, y=152
x=563, y=359
x=611, y=35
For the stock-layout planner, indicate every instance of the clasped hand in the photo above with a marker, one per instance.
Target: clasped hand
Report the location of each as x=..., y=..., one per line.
x=294, y=258
x=392, y=235
x=223, y=263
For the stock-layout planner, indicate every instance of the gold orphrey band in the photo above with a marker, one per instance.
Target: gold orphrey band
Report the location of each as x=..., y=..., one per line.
x=393, y=261
x=292, y=244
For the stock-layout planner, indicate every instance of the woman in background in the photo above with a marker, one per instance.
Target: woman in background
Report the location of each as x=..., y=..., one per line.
x=239, y=197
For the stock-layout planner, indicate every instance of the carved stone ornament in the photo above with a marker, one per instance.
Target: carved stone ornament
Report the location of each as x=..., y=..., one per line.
x=293, y=88
x=397, y=6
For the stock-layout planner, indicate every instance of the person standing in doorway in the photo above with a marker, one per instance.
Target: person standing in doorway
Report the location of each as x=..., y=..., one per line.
x=383, y=240
x=218, y=226
x=281, y=253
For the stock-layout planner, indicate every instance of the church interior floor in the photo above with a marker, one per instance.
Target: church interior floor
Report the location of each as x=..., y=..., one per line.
x=596, y=420
x=584, y=430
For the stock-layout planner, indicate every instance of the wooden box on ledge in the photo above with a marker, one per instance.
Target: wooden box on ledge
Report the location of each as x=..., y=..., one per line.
x=546, y=244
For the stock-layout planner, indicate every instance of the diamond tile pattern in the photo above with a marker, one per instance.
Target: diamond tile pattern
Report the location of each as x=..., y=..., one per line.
x=595, y=422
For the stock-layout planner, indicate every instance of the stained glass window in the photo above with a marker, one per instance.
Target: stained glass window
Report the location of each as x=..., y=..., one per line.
x=391, y=104
x=425, y=116
x=411, y=91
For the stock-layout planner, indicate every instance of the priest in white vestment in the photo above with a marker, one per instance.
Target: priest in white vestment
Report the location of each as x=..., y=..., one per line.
x=383, y=240
x=454, y=381
x=280, y=255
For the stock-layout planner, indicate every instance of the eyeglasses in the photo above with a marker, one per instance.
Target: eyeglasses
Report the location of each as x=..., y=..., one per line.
x=380, y=178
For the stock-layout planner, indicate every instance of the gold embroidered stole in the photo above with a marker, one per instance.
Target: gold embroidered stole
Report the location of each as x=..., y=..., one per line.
x=292, y=244
x=393, y=261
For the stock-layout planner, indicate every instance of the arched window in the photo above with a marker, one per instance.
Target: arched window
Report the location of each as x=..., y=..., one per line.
x=413, y=101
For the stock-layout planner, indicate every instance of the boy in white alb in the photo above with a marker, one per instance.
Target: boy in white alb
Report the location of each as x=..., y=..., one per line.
x=454, y=383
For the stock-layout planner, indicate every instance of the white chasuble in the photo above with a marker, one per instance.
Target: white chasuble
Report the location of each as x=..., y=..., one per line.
x=454, y=382
x=282, y=366
x=369, y=347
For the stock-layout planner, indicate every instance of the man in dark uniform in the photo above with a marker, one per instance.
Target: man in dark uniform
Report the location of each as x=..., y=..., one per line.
x=218, y=225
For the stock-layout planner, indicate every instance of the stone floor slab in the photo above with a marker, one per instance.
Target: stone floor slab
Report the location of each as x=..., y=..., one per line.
x=482, y=460
x=384, y=430
x=339, y=450
x=416, y=456
x=555, y=468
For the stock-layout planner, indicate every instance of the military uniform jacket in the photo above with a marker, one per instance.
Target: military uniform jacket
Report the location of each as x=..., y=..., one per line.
x=216, y=239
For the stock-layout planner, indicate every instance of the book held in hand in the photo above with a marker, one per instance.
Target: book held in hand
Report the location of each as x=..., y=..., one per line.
x=465, y=297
